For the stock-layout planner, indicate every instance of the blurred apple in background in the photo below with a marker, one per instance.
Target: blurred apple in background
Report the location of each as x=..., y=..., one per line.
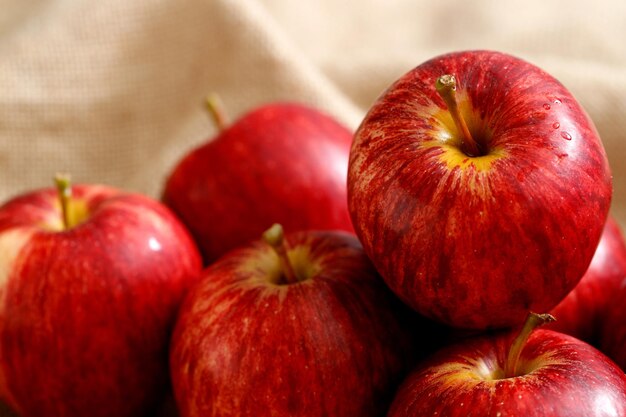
x=479, y=188
x=613, y=328
x=282, y=162
x=582, y=313
x=90, y=282
x=293, y=326
x=539, y=374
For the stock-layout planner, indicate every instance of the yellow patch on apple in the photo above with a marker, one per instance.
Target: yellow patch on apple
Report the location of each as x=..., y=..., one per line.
x=11, y=244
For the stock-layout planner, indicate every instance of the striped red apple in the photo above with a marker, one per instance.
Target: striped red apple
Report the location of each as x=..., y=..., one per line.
x=479, y=188
x=281, y=162
x=91, y=278
x=297, y=327
x=541, y=373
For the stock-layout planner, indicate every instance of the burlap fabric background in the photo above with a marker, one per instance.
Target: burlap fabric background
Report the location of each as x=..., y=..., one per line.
x=112, y=90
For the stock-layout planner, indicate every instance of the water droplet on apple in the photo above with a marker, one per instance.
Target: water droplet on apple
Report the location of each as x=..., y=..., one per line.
x=566, y=136
x=556, y=125
x=546, y=106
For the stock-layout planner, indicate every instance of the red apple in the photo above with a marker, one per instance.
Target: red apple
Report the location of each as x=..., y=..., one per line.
x=612, y=338
x=282, y=162
x=586, y=307
x=307, y=330
x=479, y=188
x=549, y=374
x=89, y=288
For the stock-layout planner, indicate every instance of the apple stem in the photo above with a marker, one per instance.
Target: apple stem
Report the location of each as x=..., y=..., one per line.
x=275, y=237
x=533, y=320
x=216, y=109
x=446, y=87
x=64, y=189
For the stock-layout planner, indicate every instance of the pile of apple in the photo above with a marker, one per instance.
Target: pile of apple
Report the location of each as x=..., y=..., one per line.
x=476, y=209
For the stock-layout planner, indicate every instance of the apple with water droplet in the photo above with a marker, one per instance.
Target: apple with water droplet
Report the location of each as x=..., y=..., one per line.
x=281, y=162
x=91, y=278
x=293, y=325
x=479, y=187
x=540, y=373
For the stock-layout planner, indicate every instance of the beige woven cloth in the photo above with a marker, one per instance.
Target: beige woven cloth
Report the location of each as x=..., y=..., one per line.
x=112, y=91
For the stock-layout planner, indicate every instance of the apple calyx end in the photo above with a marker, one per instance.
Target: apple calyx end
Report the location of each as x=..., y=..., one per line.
x=446, y=87
x=275, y=237
x=215, y=107
x=533, y=321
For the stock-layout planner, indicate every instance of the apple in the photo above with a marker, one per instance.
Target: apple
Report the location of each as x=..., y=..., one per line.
x=479, y=188
x=586, y=307
x=612, y=338
x=290, y=325
x=543, y=373
x=282, y=162
x=91, y=278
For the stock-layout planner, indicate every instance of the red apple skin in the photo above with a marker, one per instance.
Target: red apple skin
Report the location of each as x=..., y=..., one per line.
x=331, y=345
x=86, y=313
x=613, y=329
x=281, y=163
x=585, y=308
x=476, y=242
x=560, y=377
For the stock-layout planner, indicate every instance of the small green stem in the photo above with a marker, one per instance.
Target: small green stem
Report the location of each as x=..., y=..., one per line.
x=275, y=237
x=216, y=110
x=533, y=320
x=446, y=87
x=64, y=189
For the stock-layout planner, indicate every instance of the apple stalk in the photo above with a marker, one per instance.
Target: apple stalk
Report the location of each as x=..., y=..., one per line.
x=64, y=187
x=446, y=87
x=215, y=108
x=533, y=320
x=275, y=237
